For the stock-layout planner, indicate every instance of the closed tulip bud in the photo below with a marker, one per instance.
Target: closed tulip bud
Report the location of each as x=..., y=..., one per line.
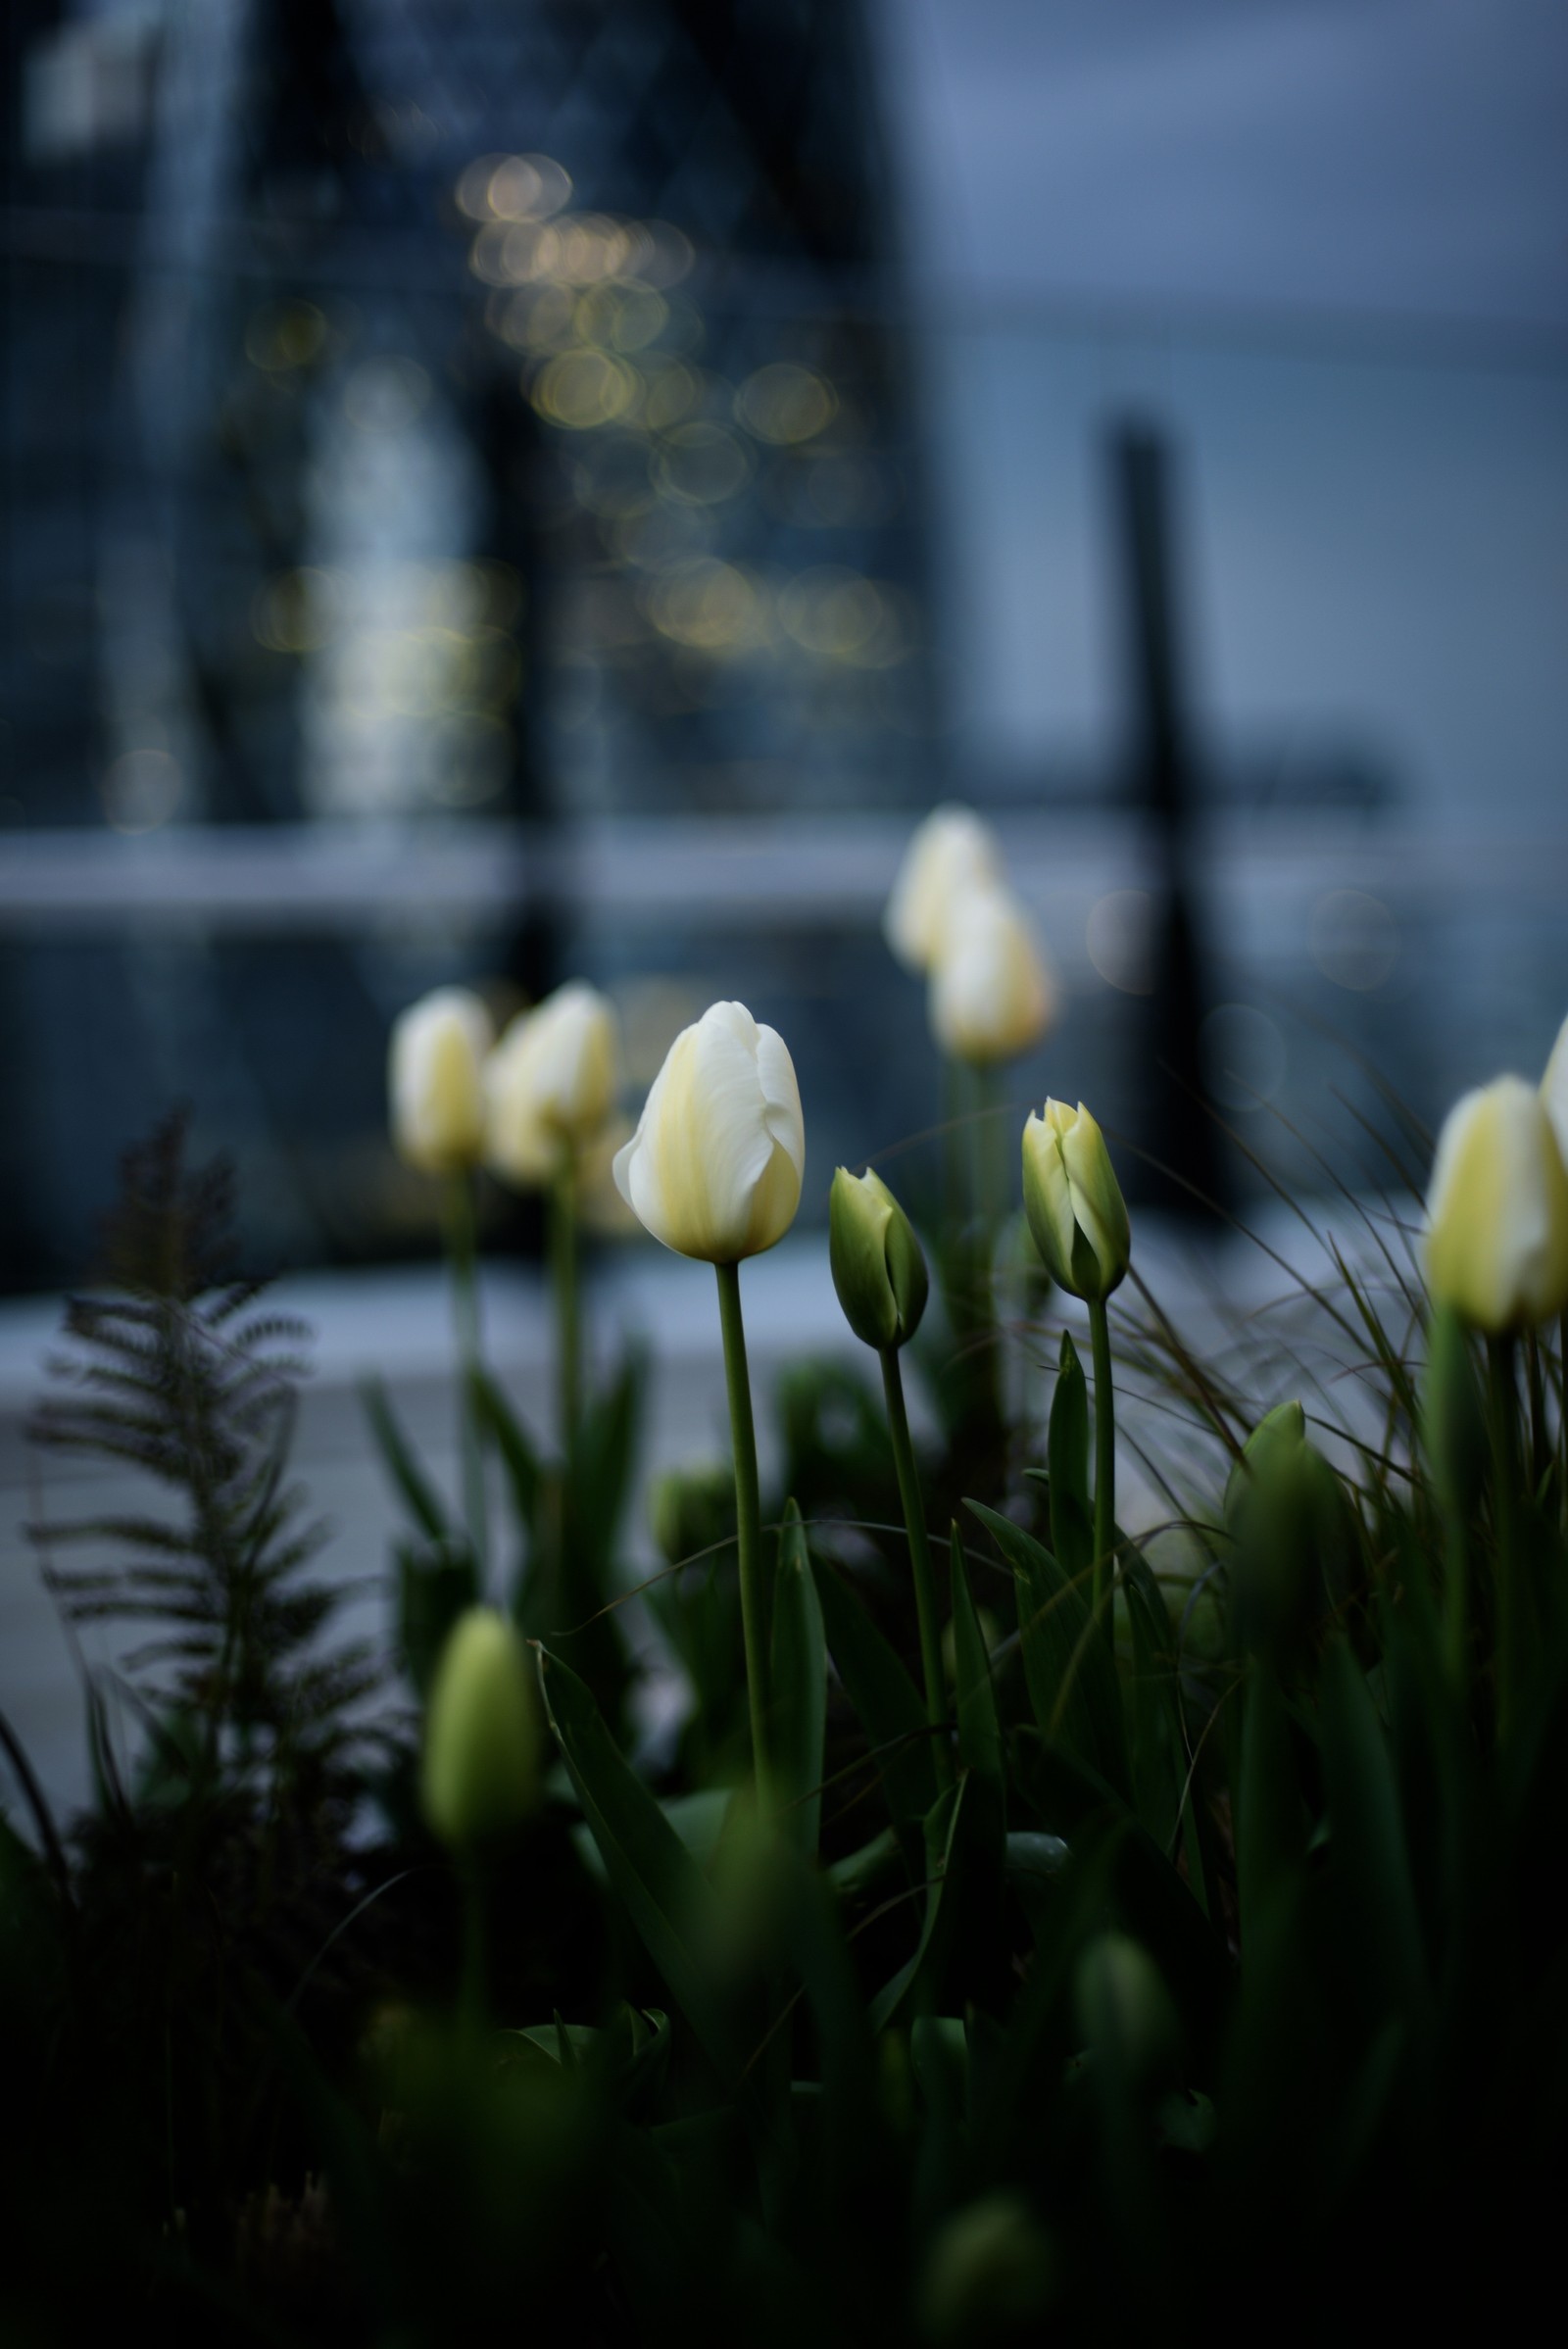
x=483, y=1737
x=1266, y=1456
x=714, y=1169
x=990, y=2274
x=1496, y=1245
x=692, y=1510
x=435, y=1078
x=1297, y=1536
x=992, y=996
x=1074, y=1203
x=549, y=1083
x=1125, y=2011
x=951, y=853
x=1554, y=1090
x=878, y=1269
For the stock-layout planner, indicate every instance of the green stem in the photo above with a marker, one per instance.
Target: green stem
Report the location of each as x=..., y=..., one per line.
x=747, y=1521
x=1457, y=1594
x=568, y=1311
x=925, y=1590
x=473, y=1994
x=1104, y=1451
x=1562, y=1417
x=463, y=1251
x=955, y=1186
x=1506, y=1471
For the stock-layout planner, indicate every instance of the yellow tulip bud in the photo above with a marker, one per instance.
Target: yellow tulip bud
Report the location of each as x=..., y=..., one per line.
x=992, y=996
x=1497, y=1244
x=878, y=1269
x=434, y=1072
x=549, y=1083
x=1074, y=1204
x=482, y=1736
x=714, y=1169
x=951, y=851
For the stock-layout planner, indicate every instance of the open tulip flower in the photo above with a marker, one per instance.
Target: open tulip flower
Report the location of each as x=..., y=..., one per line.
x=435, y=1080
x=548, y=1085
x=1497, y=1247
x=714, y=1167
x=992, y=996
x=951, y=851
x=713, y=1170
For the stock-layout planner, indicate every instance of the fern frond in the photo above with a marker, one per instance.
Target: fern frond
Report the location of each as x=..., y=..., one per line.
x=175, y=1372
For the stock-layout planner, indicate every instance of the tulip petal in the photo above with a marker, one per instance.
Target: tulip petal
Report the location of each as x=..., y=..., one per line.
x=706, y=1171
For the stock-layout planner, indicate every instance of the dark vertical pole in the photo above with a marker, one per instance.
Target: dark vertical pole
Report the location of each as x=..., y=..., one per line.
x=1174, y=1126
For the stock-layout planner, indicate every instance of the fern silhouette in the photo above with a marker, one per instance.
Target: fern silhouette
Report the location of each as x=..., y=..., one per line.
x=174, y=1371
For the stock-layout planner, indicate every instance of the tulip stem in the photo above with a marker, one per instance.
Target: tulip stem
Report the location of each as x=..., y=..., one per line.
x=462, y=1251
x=1507, y=1471
x=473, y=1994
x=747, y=1521
x=568, y=1315
x=925, y=1592
x=1104, y=1451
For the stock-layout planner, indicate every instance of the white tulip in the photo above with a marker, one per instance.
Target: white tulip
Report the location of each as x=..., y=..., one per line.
x=434, y=1072
x=953, y=851
x=1073, y=1201
x=992, y=996
x=549, y=1083
x=1496, y=1245
x=1554, y=1090
x=714, y=1169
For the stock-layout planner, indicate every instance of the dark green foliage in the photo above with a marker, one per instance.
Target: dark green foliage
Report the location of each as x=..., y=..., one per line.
x=1221, y=1995
x=175, y=1372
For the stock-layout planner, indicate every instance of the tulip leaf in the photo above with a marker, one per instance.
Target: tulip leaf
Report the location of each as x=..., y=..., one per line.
x=798, y=1678
x=943, y=1903
x=1371, y=1862
x=884, y=1697
x=1270, y=1830
x=435, y=1586
x=1071, y=1673
x=606, y=1448
x=1072, y=1520
x=1157, y=1758
x=495, y=1418
x=979, y=1729
x=665, y=1893
x=422, y=1501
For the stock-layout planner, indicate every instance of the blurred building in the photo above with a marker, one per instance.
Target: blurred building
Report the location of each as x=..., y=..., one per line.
x=431, y=421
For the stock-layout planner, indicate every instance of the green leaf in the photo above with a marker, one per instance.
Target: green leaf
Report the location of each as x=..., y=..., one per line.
x=670, y=1902
x=1070, y=1671
x=979, y=1728
x=495, y=1418
x=435, y=1586
x=797, y=1677
x=606, y=1448
x=1270, y=1828
x=1153, y=1702
x=1072, y=1517
x=1371, y=1863
x=945, y=1845
x=884, y=1697
x=420, y=1494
